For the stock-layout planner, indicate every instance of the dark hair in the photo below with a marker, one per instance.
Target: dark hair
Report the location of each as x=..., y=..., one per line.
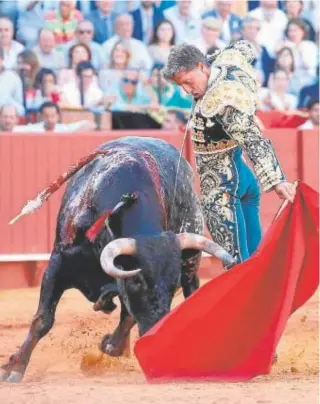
x=182, y=57
x=84, y=66
x=276, y=66
x=73, y=47
x=301, y=24
x=41, y=75
x=49, y=104
x=155, y=38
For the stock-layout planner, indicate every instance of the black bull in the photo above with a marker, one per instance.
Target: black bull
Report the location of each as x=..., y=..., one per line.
x=139, y=255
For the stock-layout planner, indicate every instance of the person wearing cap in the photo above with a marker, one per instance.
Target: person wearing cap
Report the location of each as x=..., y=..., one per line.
x=222, y=125
x=209, y=35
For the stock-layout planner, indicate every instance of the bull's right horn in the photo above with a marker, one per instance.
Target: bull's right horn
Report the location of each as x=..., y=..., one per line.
x=201, y=243
x=122, y=246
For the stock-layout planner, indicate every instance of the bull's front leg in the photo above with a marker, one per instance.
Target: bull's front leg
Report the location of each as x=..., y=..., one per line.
x=115, y=344
x=52, y=289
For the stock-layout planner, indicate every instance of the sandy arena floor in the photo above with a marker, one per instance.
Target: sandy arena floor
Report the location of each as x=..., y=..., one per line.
x=55, y=376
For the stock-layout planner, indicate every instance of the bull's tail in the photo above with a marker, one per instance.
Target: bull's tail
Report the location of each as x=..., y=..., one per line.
x=43, y=196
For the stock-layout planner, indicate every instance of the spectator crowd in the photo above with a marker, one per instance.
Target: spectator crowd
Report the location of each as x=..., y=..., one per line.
x=107, y=55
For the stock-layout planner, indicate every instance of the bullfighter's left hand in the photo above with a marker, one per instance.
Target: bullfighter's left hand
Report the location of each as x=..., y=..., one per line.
x=285, y=190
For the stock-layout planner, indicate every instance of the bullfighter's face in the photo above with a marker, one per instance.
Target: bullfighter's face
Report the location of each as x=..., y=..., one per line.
x=195, y=81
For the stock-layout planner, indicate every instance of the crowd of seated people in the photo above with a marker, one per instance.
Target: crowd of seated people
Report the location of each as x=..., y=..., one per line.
x=108, y=55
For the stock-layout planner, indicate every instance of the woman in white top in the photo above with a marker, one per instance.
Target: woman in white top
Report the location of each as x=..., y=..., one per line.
x=120, y=58
x=84, y=93
x=276, y=96
x=305, y=52
x=162, y=41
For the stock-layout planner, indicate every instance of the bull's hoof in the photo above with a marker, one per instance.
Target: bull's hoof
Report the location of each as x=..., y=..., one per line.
x=10, y=377
x=3, y=375
x=15, y=377
x=110, y=349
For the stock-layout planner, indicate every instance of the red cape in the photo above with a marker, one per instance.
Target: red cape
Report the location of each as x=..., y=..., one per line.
x=229, y=329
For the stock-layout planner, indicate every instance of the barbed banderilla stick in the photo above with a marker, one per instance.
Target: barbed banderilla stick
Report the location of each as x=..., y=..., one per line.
x=43, y=196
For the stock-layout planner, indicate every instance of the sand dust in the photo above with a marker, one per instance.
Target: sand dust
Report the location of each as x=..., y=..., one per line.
x=64, y=367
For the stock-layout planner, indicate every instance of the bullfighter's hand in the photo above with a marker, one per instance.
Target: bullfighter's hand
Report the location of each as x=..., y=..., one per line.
x=285, y=190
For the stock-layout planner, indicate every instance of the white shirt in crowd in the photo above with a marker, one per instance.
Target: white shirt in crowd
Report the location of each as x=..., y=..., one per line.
x=308, y=125
x=60, y=127
x=286, y=102
x=11, y=90
x=71, y=95
x=187, y=29
x=140, y=58
x=10, y=56
x=272, y=31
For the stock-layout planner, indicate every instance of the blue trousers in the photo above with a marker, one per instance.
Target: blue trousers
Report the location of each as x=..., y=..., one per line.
x=230, y=196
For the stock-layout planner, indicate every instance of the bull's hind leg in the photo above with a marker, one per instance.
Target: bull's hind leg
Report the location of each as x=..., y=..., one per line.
x=115, y=343
x=189, y=271
x=52, y=288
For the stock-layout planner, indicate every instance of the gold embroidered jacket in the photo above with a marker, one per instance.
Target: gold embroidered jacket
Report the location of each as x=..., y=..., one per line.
x=224, y=117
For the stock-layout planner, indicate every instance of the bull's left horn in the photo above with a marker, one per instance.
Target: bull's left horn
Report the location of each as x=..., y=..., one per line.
x=122, y=246
x=197, y=242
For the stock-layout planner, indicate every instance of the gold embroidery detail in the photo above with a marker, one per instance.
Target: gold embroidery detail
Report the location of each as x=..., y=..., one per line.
x=213, y=147
x=198, y=136
x=233, y=57
x=227, y=93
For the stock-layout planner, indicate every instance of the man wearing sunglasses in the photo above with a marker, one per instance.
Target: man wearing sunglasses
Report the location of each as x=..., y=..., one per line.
x=130, y=93
x=84, y=35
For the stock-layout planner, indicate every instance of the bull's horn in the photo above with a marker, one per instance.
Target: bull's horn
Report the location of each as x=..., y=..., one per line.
x=197, y=242
x=122, y=246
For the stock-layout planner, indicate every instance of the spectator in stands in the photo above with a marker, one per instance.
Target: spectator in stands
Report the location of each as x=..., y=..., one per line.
x=8, y=117
x=294, y=10
x=50, y=116
x=9, y=9
x=285, y=61
x=249, y=31
x=210, y=33
x=174, y=120
x=167, y=93
x=313, y=121
x=186, y=23
x=311, y=11
x=273, y=24
x=146, y=18
x=84, y=35
x=46, y=87
x=305, y=52
x=103, y=20
x=131, y=94
x=11, y=87
x=30, y=21
x=76, y=54
x=121, y=55
x=10, y=47
x=124, y=29
x=28, y=66
x=162, y=41
x=63, y=22
x=85, y=92
x=86, y=7
x=46, y=51
x=276, y=96
x=231, y=23
x=309, y=93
